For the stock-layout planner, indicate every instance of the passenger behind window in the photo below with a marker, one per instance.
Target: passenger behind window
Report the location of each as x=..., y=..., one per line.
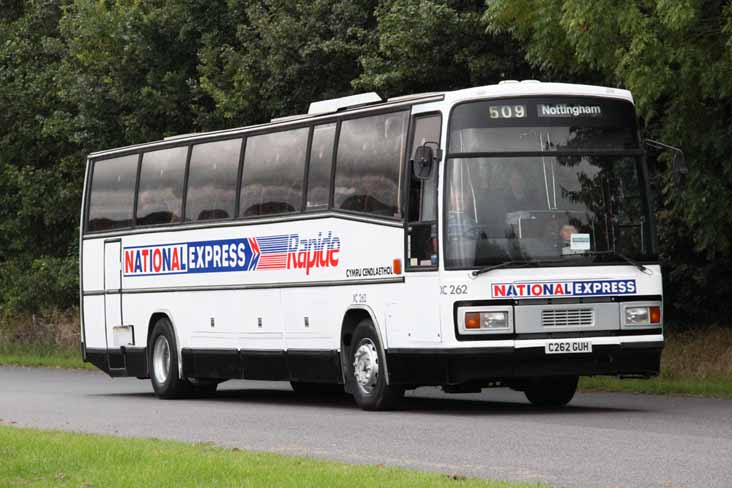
x=158, y=207
x=372, y=194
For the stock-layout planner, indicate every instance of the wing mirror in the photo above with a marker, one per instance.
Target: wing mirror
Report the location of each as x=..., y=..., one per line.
x=425, y=160
x=679, y=168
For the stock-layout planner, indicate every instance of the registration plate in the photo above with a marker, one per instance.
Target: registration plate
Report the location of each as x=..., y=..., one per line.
x=567, y=347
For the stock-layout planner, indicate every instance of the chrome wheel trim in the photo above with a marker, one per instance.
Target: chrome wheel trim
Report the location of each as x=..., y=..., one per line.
x=161, y=359
x=366, y=366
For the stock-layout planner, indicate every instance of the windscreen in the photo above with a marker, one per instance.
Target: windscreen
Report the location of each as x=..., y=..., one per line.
x=544, y=179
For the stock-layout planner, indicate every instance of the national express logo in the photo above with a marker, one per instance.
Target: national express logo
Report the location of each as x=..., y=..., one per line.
x=563, y=288
x=289, y=251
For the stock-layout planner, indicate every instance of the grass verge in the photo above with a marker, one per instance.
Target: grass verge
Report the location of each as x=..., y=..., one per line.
x=707, y=387
x=42, y=357
x=49, y=338
x=694, y=362
x=31, y=458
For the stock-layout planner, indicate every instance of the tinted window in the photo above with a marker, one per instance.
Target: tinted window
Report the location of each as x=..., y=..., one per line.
x=212, y=180
x=368, y=168
x=274, y=167
x=321, y=162
x=161, y=186
x=112, y=193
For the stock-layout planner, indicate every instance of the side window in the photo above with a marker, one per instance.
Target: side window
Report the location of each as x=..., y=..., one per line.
x=274, y=168
x=422, y=212
x=212, y=180
x=369, y=163
x=112, y=193
x=160, y=197
x=321, y=164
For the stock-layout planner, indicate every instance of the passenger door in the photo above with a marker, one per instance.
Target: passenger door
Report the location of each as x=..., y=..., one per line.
x=421, y=263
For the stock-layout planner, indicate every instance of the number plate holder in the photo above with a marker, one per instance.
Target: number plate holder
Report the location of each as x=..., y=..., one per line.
x=568, y=346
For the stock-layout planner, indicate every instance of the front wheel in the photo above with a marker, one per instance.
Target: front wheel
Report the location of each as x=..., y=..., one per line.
x=551, y=392
x=370, y=390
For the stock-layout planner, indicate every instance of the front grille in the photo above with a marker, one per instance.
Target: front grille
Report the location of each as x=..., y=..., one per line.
x=568, y=317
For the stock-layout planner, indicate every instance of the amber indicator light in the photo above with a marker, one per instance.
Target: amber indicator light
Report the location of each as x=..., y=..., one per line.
x=655, y=315
x=472, y=320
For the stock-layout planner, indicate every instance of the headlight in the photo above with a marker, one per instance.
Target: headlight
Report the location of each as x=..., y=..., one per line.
x=642, y=315
x=486, y=320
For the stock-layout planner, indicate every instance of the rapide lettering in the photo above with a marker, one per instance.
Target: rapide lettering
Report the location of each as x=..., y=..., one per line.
x=319, y=252
x=281, y=252
x=563, y=288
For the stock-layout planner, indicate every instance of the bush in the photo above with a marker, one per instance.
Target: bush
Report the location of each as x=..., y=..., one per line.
x=42, y=283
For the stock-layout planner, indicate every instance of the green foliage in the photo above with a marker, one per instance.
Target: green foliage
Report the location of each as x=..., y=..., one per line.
x=426, y=45
x=40, y=283
x=127, y=71
x=284, y=55
x=30, y=55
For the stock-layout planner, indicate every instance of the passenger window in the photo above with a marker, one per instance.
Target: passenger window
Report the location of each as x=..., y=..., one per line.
x=321, y=164
x=112, y=193
x=160, y=196
x=369, y=163
x=422, y=213
x=212, y=180
x=274, y=168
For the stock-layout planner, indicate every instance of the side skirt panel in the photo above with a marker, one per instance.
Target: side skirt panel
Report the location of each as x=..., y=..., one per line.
x=293, y=365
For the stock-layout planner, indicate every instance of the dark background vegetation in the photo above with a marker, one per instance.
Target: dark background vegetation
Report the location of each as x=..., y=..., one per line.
x=84, y=75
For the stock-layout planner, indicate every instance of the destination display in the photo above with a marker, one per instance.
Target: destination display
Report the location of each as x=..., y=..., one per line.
x=542, y=124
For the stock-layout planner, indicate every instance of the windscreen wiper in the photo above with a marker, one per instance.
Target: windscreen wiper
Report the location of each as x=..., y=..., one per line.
x=519, y=263
x=616, y=254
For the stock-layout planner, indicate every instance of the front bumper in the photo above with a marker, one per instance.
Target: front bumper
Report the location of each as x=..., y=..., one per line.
x=640, y=356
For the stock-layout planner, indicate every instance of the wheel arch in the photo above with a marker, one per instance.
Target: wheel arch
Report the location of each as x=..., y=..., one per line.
x=353, y=316
x=165, y=314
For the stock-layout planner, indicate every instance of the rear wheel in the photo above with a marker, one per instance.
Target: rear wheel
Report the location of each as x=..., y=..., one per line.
x=366, y=364
x=551, y=392
x=163, y=361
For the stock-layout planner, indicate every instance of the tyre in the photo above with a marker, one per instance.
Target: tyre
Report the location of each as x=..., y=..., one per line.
x=551, y=392
x=163, y=361
x=306, y=388
x=366, y=361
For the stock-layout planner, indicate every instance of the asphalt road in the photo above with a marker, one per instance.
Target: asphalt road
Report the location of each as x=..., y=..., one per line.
x=600, y=440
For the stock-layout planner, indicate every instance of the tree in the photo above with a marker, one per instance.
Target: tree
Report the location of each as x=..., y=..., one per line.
x=286, y=54
x=39, y=171
x=426, y=45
